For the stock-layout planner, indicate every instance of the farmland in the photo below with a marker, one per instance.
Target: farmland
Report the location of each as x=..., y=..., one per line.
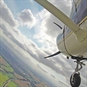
x=11, y=77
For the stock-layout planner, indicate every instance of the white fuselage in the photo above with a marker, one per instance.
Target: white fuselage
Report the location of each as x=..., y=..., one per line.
x=67, y=42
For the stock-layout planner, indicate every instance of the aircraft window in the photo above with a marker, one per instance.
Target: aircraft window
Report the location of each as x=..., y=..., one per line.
x=81, y=13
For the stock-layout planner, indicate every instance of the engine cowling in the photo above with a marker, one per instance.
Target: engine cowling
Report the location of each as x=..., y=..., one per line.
x=68, y=44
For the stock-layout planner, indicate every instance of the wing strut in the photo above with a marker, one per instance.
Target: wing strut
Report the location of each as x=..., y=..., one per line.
x=81, y=34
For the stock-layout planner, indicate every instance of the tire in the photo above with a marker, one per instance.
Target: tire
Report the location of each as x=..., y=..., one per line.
x=75, y=80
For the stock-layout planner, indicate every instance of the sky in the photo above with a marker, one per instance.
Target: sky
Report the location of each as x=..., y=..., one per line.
x=30, y=27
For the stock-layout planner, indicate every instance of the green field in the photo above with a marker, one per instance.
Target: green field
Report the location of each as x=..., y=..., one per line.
x=12, y=84
x=14, y=78
x=6, y=73
x=8, y=68
x=3, y=78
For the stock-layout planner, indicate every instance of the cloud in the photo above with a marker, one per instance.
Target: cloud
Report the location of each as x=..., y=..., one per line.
x=53, y=30
x=46, y=34
x=63, y=5
x=6, y=14
x=17, y=37
x=27, y=18
x=59, y=63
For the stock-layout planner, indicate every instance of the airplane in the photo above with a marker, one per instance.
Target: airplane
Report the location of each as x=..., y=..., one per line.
x=72, y=42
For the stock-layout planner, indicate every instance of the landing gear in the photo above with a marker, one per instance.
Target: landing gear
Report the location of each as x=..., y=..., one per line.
x=75, y=78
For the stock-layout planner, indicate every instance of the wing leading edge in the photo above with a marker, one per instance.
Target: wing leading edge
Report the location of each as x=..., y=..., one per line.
x=81, y=34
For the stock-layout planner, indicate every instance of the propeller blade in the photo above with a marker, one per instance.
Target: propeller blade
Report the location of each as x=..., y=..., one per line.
x=53, y=54
x=57, y=25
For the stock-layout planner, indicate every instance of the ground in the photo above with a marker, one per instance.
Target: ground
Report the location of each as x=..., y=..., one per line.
x=10, y=78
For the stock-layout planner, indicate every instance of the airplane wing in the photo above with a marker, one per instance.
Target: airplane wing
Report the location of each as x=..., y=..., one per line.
x=81, y=34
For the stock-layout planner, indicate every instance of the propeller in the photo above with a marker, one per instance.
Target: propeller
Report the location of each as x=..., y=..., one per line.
x=57, y=25
x=53, y=54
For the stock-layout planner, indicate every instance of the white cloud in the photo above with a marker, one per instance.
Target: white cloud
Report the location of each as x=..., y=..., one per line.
x=63, y=5
x=6, y=14
x=27, y=18
x=46, y=30
x=46, y=34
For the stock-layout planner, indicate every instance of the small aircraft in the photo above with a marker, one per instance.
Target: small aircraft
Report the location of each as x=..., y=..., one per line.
x=72, y=42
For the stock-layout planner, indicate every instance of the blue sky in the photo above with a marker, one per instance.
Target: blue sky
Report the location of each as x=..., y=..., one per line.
x=28, y=26
x=16, y=6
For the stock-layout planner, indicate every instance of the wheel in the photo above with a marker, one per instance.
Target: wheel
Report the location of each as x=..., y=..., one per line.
x=75, y=80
